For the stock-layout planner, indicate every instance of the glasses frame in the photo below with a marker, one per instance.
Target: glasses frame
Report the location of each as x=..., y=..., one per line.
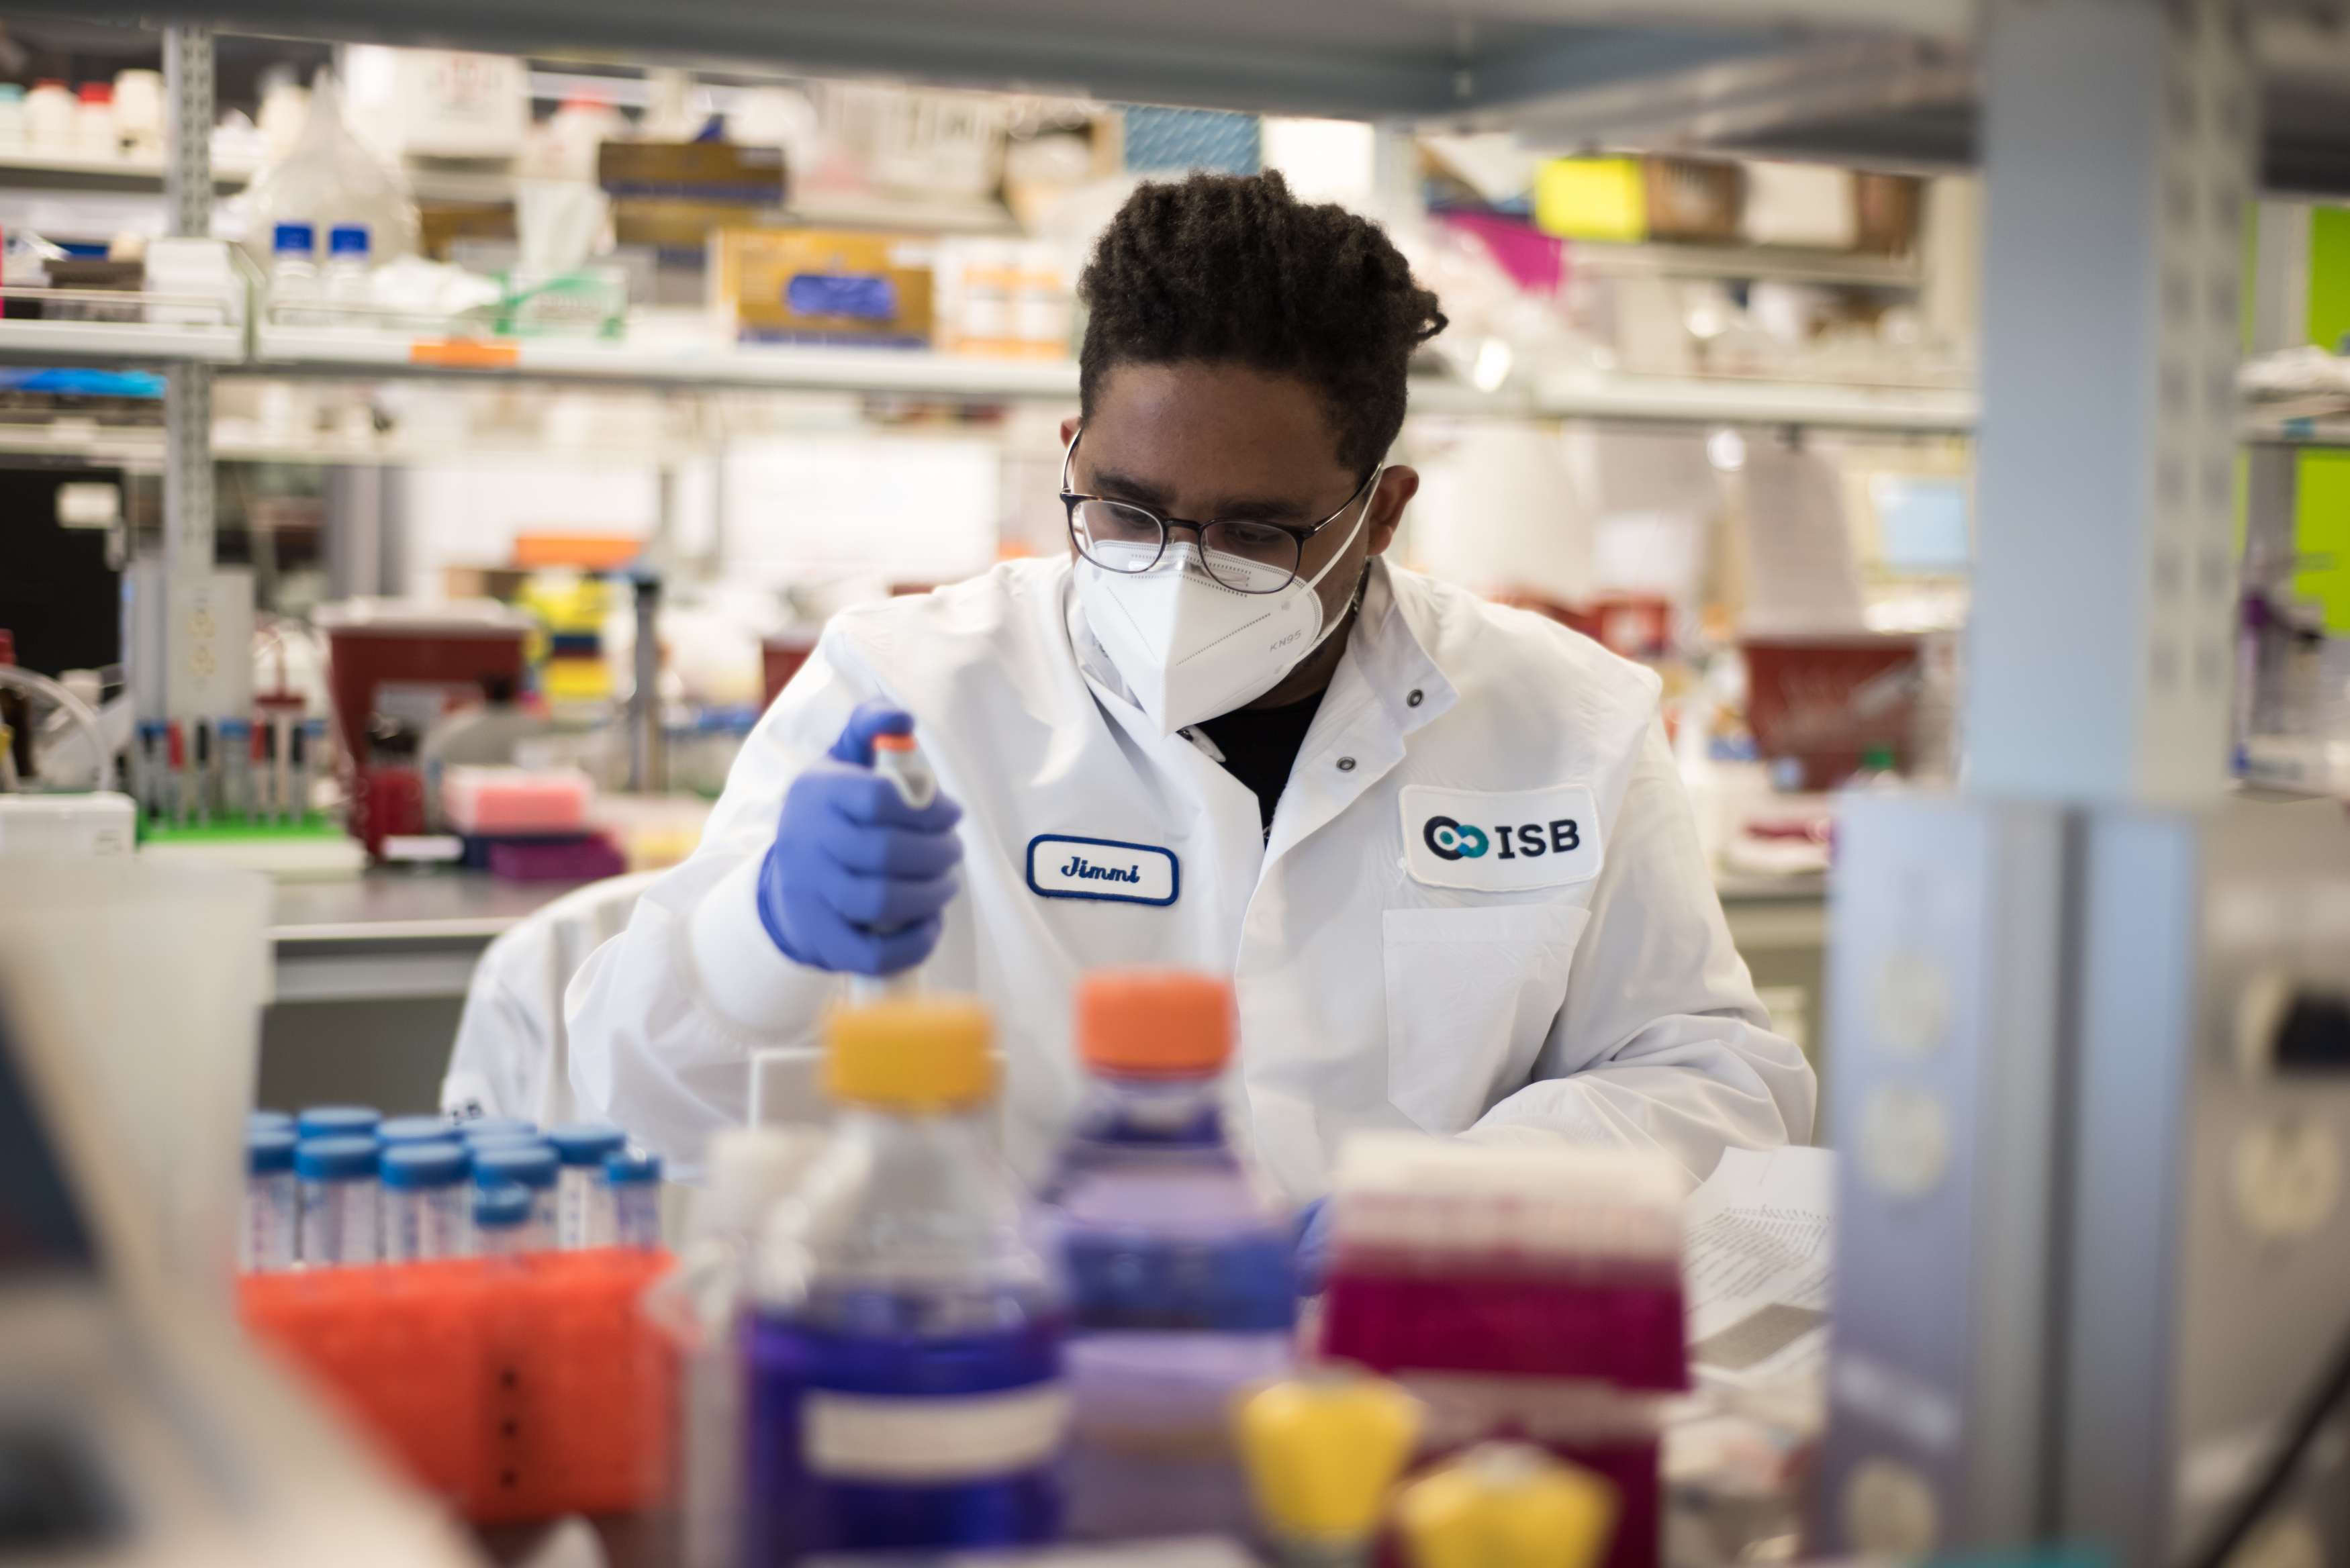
x=1072, y=499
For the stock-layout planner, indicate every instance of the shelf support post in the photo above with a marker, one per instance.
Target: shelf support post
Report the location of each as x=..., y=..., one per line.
x=188, y=502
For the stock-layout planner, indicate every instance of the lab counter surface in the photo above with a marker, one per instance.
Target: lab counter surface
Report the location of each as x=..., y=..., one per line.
x=370, y=973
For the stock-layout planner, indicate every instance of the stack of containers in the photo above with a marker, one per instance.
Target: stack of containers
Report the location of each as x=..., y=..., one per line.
x=341, y=1186
x=1183, y=1288
x=1532, y=1292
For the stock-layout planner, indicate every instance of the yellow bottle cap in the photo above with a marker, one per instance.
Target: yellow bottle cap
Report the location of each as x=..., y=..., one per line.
x=918, y=1054
x=1322, y=1452
x=1507, y=1505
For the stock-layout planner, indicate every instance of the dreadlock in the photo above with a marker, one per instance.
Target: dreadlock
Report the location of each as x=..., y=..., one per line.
x=1234, y=268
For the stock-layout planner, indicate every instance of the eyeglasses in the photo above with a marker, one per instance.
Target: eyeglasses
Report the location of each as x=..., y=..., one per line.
x=1246, y=557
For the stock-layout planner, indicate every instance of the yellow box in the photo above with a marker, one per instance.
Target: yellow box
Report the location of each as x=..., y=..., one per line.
x=1591, y=199
x=821, y=285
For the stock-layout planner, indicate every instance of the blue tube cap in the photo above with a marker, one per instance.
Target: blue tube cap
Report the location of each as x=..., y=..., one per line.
x=502, y=1206
x=268, y=1149
x=411, y=1167
x=267, y=1121
x=531, y=1166
x=340, y=1159
x=477, y=1146
x=495, y=1126
x=417, y=1130
x=586, y=1142
x=631, y=1167
x=337, y=1121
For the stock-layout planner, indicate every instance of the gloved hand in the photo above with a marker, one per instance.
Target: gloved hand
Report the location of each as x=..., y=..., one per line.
x=856, y=878
x=1312, y=1247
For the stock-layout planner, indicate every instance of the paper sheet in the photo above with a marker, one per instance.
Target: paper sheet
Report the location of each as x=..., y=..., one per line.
x=1755, y=1257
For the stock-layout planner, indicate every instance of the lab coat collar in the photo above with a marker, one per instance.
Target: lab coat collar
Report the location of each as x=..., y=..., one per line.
x=1387, y=686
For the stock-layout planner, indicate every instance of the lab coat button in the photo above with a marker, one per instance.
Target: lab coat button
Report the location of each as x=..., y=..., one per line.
x=1346, y=765
x=1416, y=699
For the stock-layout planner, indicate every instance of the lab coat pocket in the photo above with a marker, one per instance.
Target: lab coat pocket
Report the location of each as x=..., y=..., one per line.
x=1471, y=994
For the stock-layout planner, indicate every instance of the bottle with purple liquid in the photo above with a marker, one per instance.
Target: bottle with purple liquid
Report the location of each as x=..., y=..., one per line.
x=1182, y=1285
x=903, y=1359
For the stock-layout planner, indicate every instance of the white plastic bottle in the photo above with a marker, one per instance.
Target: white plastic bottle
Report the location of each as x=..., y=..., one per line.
x=348, y=281
x=49, y=112
x=293, y=270
x=95, y=136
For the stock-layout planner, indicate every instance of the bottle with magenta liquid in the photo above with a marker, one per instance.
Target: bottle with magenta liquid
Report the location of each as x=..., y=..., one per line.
x=903, y=1384
x=1183, y=1292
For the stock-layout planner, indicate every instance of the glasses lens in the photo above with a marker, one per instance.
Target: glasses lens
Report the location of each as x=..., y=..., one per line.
x=1117, y=538
x=1253, y=557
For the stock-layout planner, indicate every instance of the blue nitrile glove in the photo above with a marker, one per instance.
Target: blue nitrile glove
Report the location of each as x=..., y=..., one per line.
x=1312, y=1247
x=856, y=877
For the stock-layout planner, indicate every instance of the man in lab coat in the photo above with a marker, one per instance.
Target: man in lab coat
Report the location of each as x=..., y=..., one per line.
x=1439, y=845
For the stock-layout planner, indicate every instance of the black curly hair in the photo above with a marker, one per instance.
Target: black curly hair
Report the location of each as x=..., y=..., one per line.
x=1234, y=268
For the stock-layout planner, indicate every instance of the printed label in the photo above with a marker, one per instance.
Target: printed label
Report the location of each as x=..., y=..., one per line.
x=906, y=1442
x=1065, y=867
x=1501, y=841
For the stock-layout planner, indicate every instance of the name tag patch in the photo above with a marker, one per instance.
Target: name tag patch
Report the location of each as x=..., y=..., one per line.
x=1065, y=867
x=1500, y=841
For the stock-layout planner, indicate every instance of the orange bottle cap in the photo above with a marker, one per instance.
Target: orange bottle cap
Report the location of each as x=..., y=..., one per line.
x=1155, y=1023
x=893, y=742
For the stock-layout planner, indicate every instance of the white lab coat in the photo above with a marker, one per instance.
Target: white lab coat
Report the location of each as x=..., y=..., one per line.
x=1607, y=1006
x=512, y=1056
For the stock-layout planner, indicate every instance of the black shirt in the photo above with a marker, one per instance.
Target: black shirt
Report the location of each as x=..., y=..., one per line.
x=1260, y=746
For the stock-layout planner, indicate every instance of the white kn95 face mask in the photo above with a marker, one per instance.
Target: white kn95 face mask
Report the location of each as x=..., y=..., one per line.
x=1187, y=647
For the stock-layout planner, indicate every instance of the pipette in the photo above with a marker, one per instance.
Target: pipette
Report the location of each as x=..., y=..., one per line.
x=899, y=760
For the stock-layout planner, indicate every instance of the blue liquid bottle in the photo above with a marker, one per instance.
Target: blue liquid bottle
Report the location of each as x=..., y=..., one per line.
x=902, y=1360
x=1183, y=1288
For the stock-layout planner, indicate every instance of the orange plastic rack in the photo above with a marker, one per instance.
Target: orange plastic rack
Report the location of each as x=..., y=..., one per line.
x=518, y=1389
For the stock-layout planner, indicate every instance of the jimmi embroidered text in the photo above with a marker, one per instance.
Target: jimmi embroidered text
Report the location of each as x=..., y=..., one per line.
x=1080, y=867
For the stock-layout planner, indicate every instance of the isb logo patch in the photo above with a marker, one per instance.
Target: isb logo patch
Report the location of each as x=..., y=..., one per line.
x=1501, y=841
x=1452, y=840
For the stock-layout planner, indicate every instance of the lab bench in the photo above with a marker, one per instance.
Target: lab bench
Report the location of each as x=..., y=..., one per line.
x=392, y=934
x=369, y=979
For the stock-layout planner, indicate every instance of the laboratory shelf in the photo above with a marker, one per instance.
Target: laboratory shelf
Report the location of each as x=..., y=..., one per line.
x=44, y=342
x=1757, y=263
x=659, y=361
x=704, y=364
x=1724, y=400
x=51, y=170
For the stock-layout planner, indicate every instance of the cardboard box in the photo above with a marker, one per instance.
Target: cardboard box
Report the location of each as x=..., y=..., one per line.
x=717, y=172
x=821, y=285
x=675, y=194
